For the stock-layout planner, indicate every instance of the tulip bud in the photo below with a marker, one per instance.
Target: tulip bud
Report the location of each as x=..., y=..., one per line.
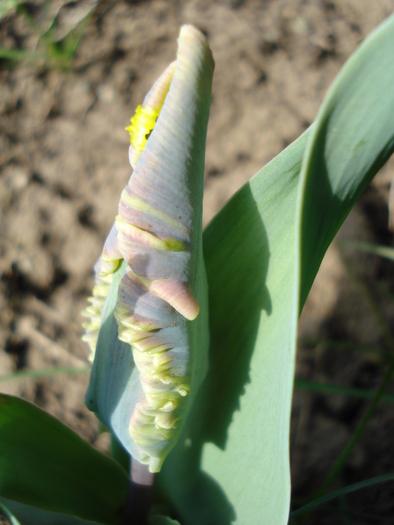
x=148, y=318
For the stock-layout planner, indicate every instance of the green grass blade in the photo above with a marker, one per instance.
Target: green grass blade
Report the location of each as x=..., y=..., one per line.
x=20, y=54
x=367, y=247
x=45, y=464
x=341, y=492
x=324, y=388
x=340, y=345
x=47, y=372
x=336, y=469
x=62, y=52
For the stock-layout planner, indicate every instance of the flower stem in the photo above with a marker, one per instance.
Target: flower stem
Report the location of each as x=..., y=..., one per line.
x=139, y=498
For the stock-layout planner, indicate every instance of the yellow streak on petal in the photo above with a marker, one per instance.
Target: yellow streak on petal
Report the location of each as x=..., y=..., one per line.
x=135, y=234
x=140, y=205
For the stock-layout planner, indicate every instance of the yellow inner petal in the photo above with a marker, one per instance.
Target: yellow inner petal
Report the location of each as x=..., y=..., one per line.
x=142, y=124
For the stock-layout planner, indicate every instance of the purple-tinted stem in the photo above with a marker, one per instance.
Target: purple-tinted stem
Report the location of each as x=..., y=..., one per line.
x=139, y=498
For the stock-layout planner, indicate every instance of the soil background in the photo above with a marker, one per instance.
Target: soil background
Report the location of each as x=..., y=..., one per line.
x=64, y=162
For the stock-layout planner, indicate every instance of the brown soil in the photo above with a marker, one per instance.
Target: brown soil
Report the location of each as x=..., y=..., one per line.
x=63, y=164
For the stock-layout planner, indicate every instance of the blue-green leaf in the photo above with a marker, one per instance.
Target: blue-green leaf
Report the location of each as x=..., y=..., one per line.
x=262, y=252
x=233, y=454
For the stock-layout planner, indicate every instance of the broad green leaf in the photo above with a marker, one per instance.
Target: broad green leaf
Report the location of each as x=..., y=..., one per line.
x=25, y=515
x=240, y=457
x=352, y=139
x=162, y=520
x=45, y=464
x=262, y=252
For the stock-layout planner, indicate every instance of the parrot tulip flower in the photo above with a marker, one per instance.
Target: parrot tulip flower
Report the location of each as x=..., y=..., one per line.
x=148, y=322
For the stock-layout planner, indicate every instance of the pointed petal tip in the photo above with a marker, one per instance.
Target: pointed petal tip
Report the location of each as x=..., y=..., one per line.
x=155, y=464
x=178, y=295
x=192, y=35
x=192, y=32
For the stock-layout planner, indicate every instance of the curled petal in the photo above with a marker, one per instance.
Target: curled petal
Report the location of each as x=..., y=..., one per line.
x=104, y=269
x=178, y=295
